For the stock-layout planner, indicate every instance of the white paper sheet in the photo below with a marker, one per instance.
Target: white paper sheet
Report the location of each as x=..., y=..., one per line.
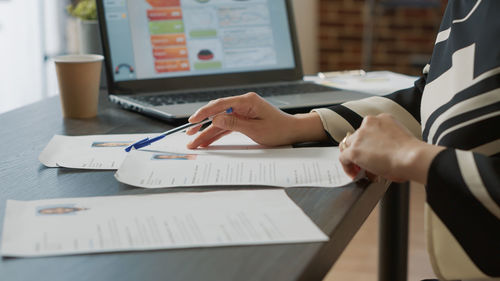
x=153, y=221
x=106, y=152
x=374, y=82
x=285, y=167
x=87, y=152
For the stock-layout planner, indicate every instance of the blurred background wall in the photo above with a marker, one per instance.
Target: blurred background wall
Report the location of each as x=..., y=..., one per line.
x=396, y=35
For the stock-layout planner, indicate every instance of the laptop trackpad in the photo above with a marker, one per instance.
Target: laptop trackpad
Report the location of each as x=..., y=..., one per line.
x=277, y=103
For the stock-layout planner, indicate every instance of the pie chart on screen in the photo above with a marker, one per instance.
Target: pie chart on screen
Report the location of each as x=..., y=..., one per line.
x=205, y=54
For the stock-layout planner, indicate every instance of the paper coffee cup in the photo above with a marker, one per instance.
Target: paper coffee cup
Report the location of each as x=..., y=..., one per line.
x=78, y=77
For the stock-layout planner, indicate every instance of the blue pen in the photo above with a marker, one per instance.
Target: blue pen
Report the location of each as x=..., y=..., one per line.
x=148, y=141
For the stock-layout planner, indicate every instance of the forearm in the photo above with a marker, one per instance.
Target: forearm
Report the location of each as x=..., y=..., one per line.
x=307, y=127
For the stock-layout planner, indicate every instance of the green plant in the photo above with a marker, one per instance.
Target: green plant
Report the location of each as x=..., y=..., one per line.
x=84, y=9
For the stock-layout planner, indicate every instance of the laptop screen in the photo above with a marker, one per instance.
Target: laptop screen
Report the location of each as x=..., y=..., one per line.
x=151, y=39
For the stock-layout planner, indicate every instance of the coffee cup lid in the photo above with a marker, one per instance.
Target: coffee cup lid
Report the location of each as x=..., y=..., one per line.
x=78, y=58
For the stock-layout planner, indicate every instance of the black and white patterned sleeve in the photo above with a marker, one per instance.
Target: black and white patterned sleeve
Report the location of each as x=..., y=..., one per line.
x=463, y=190
x=404, y=105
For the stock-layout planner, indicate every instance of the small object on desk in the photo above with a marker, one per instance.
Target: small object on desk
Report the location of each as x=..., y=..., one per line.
x=78, y=77
x=148, y=141
x=330, y=74
x=374, y=82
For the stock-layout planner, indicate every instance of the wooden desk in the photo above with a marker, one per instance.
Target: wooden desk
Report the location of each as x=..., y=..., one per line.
x=24, y=133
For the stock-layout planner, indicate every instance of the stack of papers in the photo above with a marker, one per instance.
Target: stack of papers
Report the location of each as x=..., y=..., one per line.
x=232, y=160
x=155, y=221
x=374, y=82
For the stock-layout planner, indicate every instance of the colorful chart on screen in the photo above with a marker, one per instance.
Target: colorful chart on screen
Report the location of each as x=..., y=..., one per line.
x=170, y=38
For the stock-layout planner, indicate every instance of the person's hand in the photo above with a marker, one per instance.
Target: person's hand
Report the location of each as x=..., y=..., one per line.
x=384, y=147
x=256, y=118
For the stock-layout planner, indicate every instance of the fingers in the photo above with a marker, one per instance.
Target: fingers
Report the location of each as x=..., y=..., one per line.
x=215, y=138
x=241, y=104
x=220, y=123
x=347, y=160
x=193, y=130
x=205, y=136
x=214, y=108
x=350, y=168
x=233, y=122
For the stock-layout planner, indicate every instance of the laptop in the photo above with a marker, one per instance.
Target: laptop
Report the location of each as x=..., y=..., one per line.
x=167, y=58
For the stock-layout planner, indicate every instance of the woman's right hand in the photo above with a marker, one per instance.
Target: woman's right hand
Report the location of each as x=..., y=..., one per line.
x=256, y=118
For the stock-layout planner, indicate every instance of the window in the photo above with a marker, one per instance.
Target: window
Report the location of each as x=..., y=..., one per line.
x=31, y=31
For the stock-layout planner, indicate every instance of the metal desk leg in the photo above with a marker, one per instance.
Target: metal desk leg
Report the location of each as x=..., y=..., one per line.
x=393, y=234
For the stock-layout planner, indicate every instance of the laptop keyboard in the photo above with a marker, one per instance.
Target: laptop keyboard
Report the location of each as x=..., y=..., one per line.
x=268, y=91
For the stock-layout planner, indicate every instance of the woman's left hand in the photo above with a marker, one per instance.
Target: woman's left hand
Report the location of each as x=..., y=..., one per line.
x=384, y=147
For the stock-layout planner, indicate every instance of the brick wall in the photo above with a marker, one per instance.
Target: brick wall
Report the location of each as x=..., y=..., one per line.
x=403, y=34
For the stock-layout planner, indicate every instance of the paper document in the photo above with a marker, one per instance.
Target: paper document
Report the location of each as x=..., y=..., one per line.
x=106, y=152
x=285, y=167
x=87, y=152
x=154, y=221
x=374, y=82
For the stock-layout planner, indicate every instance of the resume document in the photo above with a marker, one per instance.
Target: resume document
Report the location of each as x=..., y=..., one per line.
x=107, y=152
x=283, y=167
x=154, y=221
